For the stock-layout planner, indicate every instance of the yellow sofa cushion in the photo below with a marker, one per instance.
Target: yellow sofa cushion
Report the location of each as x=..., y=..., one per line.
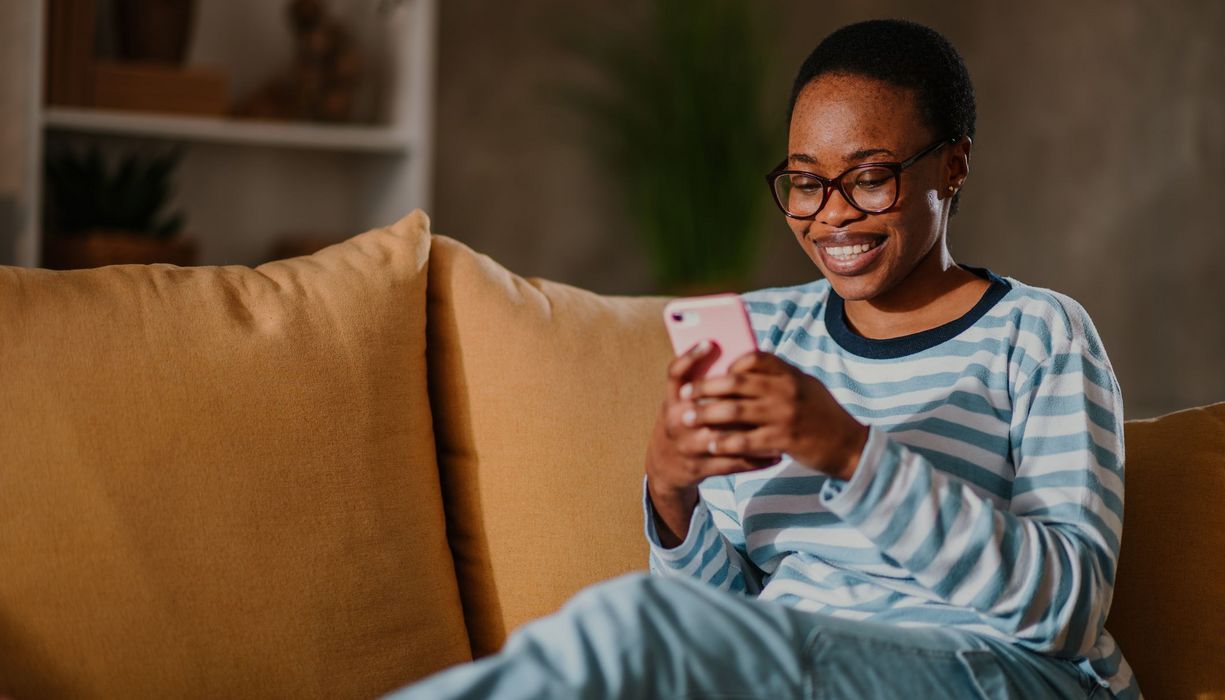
x=1169, y=603
x=545, y=396
x=220, y=482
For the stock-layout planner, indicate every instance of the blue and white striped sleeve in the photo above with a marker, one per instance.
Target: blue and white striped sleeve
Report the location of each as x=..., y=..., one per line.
x=714, y=549
x=1042, y=570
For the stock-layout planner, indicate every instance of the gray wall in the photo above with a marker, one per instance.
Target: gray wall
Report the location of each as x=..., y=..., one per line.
x=1098, y=171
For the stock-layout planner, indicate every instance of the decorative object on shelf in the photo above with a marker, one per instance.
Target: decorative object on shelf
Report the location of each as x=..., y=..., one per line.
x=96, y=215
x=678, y=117
x=321, y=84
x=154, y=31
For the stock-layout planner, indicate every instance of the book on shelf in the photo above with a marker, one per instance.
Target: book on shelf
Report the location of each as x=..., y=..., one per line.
x=152, y=87
x=76, y=77
x=70, y=52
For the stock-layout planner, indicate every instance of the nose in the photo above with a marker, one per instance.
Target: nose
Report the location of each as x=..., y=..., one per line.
x=838, y=212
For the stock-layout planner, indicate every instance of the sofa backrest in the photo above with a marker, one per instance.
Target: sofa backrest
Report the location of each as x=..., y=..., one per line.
x=220, y=482
x=1168, y=614
x=544, y=396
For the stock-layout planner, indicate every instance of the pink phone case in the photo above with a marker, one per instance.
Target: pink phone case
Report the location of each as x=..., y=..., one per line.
x=720, y=318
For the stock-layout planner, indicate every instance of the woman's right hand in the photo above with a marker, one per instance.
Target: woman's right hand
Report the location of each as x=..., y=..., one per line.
x=678, y=456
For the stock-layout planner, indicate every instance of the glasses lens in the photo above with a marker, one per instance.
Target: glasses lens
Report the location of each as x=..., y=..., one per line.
x=872, y=188
x=799, y=194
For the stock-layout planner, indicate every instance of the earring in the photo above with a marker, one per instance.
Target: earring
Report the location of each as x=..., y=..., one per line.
x=952, y=189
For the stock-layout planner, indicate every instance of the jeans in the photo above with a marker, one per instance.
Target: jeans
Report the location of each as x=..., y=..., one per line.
x=643, y=636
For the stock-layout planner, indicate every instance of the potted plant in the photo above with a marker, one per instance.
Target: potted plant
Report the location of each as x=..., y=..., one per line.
x=96, y=215
x=680, y=124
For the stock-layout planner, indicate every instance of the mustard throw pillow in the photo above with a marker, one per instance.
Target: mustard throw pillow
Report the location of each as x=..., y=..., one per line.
x=545, y=396
x=1169, y=599
x=220, y=482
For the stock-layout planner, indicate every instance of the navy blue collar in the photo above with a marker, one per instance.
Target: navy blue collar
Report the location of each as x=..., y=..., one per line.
x=890, y=348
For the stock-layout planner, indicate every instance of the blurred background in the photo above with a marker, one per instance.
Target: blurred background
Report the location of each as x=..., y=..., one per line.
x=618, y=146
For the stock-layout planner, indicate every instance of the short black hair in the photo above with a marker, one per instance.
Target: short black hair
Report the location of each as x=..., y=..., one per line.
x=905, y=54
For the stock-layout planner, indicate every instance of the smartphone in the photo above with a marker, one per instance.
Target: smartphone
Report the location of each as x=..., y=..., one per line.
x=719, y=318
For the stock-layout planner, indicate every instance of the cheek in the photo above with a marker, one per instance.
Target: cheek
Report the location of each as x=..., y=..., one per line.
x=920, y=213
x=915, y=204
x=919, y=225
x=799, y=229
x=932, y=202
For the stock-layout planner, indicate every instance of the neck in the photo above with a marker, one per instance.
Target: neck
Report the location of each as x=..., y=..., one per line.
x=935, y=292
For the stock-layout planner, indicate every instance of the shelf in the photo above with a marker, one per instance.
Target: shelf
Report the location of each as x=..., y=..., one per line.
x=244, y=183
x=359, y=139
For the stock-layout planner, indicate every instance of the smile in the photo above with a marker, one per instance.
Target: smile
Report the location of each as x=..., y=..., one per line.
x=850, y=260
x=851, y=251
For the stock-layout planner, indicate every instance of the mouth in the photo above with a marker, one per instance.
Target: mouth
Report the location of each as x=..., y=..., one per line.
x=851, y=254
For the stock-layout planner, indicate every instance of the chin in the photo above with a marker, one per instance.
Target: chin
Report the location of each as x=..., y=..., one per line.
x=852, y=290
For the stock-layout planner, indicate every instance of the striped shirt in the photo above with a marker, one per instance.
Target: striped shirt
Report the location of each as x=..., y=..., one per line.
x=989, y=496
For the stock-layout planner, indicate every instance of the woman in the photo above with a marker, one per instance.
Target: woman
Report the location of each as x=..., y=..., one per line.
x=914, y=489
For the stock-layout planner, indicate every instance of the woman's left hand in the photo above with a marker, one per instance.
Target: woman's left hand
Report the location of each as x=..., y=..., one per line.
x=765, y=404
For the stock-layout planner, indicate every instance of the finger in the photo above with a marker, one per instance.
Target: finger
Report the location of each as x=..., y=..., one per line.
x=724, y=412
x=759, y=361
x=677, y=419
x=689, y=438
x=692, y=442
x=680, y=368
x=695, y=443
x=740, y=384
x=708, y=442
x=757, y=442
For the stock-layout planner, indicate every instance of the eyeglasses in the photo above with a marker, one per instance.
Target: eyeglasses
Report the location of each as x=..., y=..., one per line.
x=869, y=187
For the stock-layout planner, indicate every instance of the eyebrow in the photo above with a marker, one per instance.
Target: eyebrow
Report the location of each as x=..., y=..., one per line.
x=857, y=155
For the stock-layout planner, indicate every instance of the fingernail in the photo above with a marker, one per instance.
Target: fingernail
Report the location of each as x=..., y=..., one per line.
x=686, y=391
x=701, y=347
x=690, y=417
x=712, y=447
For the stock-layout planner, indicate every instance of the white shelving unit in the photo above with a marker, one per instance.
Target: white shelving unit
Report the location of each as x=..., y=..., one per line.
x=356, y=139
x=244, y=183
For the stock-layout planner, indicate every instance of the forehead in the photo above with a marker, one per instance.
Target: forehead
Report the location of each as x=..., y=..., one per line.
x=837, y=115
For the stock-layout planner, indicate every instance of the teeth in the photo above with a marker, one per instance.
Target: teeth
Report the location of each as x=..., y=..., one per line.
x=848, y=251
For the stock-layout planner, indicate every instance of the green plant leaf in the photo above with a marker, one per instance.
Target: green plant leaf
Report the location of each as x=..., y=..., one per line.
x=678, y=119
x=82, y=193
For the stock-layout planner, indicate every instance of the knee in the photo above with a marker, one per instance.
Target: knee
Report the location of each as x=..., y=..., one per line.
x=637, y=597
x=613, y=592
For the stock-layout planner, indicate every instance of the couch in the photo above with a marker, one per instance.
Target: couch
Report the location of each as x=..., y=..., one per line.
x=331, y=475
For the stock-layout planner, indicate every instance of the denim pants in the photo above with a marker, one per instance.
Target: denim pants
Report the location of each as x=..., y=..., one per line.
x=643, y=636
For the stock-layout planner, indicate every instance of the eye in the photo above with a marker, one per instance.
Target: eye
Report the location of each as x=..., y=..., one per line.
x=873, y=178
x=806, y=184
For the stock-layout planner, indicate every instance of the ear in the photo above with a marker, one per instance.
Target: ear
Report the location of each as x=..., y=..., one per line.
x=957, y=163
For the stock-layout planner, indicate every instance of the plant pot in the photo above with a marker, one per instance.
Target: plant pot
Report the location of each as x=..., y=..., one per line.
x=156, y=31
x=101, y=248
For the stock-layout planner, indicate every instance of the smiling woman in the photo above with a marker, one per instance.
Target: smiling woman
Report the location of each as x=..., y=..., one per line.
x=850, y=107
x=907, y=277
x=912, y=489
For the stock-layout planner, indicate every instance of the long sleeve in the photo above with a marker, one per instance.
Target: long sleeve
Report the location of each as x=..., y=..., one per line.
x=713, y=550
x=1042, y=569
